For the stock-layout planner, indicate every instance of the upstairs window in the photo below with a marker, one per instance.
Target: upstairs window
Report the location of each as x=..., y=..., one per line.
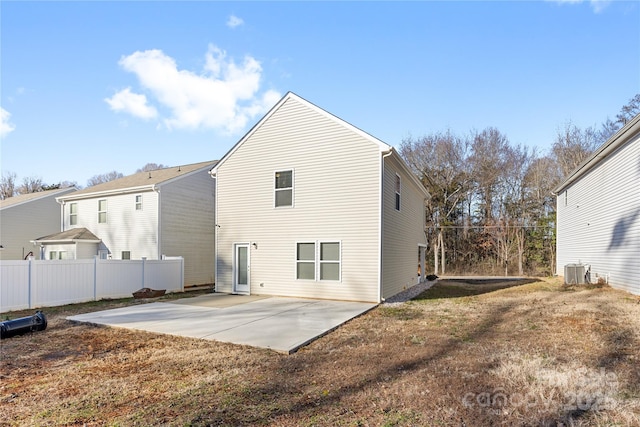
x=73, y=214
x=284, y=188
x=397, y=192
x=126, y=255
x=139, y=202
x=102, y=211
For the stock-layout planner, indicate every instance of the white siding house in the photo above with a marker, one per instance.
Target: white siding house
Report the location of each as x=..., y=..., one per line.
x=146, y=215
x=598, y=212
x=308, y=205
x=26, y=216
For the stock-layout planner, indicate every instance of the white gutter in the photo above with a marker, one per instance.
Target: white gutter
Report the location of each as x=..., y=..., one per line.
x=154, y=188
x=107, y=193
x=62, y=204
x=214, y=176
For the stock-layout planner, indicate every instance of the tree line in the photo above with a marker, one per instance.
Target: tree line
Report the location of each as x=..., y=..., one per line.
x=492, y=210
x=9, y=186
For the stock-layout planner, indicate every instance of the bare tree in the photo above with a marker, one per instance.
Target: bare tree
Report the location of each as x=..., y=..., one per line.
x=31, y=184
x=151, y=167
x=572, y=146
x=105, y=177
x=7, y=185
x=629, y=111
x=487, y=163
x=439, y=161
x=516, y=206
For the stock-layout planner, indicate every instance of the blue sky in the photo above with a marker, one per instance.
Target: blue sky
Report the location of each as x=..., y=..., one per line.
x=91, y=87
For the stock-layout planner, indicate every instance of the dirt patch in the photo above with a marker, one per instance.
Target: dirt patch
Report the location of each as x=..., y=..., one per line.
x=525, y=354
x=456, y=288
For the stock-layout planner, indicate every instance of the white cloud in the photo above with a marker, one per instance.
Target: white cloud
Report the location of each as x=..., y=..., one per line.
x=234, y=21
x=132, y=103
x=597, y=5
x=6, y=127
x=224, y=97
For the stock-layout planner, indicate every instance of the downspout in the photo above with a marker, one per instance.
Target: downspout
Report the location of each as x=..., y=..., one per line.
x=381, y=230
x=215, y=230
x=159, y=225
x=62, y=204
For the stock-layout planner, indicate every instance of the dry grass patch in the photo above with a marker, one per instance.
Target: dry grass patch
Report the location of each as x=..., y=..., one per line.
x=531, y=354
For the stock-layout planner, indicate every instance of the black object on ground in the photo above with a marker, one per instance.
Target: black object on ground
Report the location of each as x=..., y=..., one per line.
x=10, y=328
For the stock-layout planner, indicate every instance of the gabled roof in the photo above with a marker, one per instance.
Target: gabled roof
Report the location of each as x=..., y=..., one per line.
x=24, y=198
x=140, y=181
x=624, y=135
x=290, y=95
x=382, y=146
x=72, y=235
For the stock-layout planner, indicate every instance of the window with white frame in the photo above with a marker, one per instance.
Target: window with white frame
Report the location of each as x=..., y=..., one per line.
x=306, y=261
x=284, y=188
x=330, y=261
x=58, y=255
x=318, y=261
x=102, y=211
x=398, y=192
x=73, y=214
x=139, y=202
x=126, y=255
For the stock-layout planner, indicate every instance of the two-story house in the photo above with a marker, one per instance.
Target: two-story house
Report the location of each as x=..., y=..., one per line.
x=25, y=216
x=145, y=215
x=308, y=205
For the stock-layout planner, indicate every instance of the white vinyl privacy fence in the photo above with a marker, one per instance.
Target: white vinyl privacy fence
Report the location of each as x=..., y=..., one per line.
x=44, y=283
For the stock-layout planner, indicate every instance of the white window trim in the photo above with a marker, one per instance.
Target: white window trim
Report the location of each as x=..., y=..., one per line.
x=339, y=262
x=138, y=203
x=73, y=215
x=106, y=215
x=317, y=261
x=293, y=188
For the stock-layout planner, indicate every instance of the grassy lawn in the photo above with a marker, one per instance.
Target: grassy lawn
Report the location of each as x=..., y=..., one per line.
x=461, y=353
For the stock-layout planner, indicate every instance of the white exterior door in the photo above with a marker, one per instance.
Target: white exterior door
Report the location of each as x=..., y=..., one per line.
x=241, y=269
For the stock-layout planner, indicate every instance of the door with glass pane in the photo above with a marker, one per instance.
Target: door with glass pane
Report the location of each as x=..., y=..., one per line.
x=241, y=269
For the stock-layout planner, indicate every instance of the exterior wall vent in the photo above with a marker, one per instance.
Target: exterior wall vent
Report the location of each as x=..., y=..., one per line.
x=574, y=274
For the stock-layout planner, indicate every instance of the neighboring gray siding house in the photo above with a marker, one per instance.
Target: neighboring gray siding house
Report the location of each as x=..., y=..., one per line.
x=25, y=216
x=598, y=212
x=308, y=205
x=149, y=214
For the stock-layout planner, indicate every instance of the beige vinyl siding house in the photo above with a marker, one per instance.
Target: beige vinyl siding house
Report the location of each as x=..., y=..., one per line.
x=299, y=210
x=26, y=216
x=166, y=212
x=404, y=242
x=598, y=212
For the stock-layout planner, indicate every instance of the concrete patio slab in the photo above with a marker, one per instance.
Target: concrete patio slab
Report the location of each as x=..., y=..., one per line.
x=278, y=323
